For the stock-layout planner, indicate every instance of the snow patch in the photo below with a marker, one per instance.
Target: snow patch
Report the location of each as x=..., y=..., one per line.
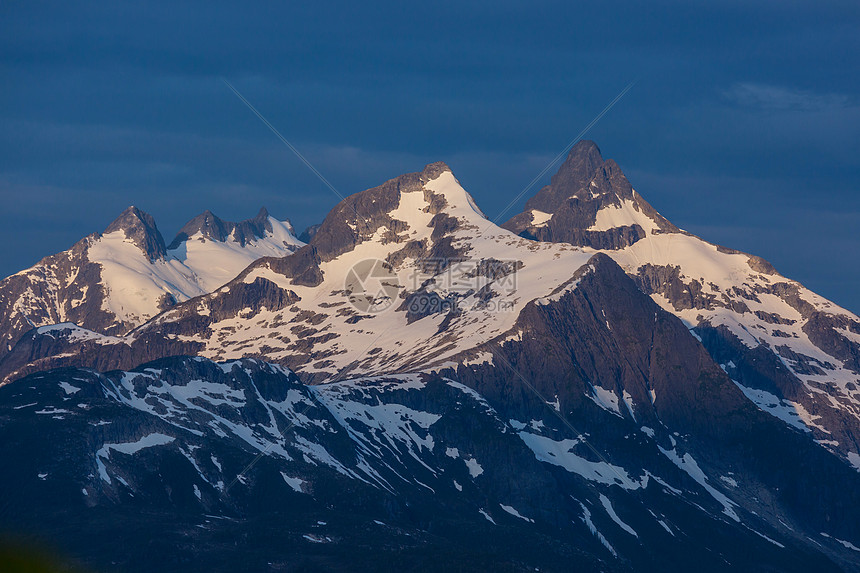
x=729, y=481
x=691, y=468
x=296, y=483
x=606, y=399
x=516, y=513
x=129, y=448
x=474, y=467
x=846, y=544
x=68, y=388
x=792, y=413
x=607, y=505
x=539, y=218
x=560, y=453
x=487, y=516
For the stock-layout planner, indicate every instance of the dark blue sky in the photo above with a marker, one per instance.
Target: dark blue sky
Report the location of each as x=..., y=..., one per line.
x=744, y=126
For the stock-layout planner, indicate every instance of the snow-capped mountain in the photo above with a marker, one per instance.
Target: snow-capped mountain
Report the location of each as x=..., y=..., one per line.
x=215, y=251
x=587, y=385
x=792, y=352
x=451, y=272
x=114, y=281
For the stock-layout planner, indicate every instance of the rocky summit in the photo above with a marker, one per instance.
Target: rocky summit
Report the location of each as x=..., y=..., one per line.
x=412, y=387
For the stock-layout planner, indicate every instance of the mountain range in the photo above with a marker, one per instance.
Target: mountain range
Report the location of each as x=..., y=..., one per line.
x=584, y=386
x=114, y=281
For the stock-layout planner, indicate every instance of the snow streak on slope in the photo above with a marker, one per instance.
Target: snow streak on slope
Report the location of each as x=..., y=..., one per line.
x=560, y=453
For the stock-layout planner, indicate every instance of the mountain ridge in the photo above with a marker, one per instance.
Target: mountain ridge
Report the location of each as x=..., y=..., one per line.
x=209, y=226
x=610, y=387
x=584, y=174
x=130, y=260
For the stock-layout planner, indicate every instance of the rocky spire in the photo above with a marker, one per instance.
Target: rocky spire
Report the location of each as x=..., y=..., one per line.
x=140, y=228
x=583, y=174
x=210, y=226
x=252, y=229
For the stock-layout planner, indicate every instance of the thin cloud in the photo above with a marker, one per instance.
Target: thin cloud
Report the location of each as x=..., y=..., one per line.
x=764, y=96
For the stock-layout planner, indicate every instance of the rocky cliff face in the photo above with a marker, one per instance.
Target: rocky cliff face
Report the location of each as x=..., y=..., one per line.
x=139, y=229
x=566, y=210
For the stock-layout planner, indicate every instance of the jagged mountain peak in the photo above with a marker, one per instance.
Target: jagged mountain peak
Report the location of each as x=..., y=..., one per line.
x=589, y=202
x=140, y=228
x=581, y=164
x=113, y=281
x=584, y=174
x=361, y=216
x=208, y=226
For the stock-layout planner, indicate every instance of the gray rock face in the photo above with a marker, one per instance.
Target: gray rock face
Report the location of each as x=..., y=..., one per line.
x=612, y=239
x=356, y=218
x=212, y=227
x=584, y=185
x=61, y=288
x=139, y=228
x=309, y=233
x=583, y=165
x=797, y=382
